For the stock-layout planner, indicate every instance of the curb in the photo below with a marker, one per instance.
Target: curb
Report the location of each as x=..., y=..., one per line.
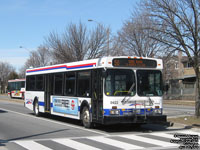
x=186, y=126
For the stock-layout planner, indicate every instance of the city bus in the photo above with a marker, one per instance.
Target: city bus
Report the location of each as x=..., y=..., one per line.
x=16, y=88
x=108, y=90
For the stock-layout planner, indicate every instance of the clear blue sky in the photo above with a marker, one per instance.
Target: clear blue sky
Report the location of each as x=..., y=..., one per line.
x=27, y=22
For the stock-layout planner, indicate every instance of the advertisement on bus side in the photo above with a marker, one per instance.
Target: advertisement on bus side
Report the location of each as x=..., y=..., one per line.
x=65, y=105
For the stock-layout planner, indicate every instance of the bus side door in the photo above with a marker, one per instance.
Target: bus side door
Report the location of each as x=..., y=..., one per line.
x=48, y=91
x=97, y=95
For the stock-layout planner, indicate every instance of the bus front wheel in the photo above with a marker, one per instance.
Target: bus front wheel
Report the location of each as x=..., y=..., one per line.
x=36, y=108
x=86, y=118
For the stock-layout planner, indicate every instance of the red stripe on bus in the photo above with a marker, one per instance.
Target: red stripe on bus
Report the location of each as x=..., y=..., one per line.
x=54, y=67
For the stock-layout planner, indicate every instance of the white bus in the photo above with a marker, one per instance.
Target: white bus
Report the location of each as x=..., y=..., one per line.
x=108, y=90
x=16, y=88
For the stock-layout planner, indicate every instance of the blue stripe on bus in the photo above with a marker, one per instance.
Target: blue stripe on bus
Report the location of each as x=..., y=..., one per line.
x=142, y=111
x=79, y=67
x=41, y=103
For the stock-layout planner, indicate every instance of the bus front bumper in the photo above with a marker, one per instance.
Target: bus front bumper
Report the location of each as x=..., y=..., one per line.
x=149, y=119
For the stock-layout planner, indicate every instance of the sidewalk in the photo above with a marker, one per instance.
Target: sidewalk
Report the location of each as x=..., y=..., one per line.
x=5, y=97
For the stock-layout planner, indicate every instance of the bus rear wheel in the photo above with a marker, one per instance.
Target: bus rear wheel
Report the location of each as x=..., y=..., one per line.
x=36, y=108
x=86, y=118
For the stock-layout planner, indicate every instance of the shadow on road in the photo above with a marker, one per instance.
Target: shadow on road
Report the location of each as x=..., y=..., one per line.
x=2, y=111
x=1, y=143
x=117, y=128
x=32, y=136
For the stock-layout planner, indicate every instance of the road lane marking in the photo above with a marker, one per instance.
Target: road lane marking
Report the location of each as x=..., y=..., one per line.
x=31, y=145
x=60, y=123
x=115, y=143
x=150, y=141
x=75, y=145
x=107, y=140
x=165, y=135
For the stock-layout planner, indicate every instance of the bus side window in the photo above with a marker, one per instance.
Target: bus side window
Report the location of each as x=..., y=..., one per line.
x=30, y=85
x=84, y=83
x=40, y=83
x=58, y=84
x=70, y=82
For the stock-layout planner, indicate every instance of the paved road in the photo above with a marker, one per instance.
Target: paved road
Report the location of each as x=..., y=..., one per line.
x=20, y=129
x=178, y=110
x=159, y=140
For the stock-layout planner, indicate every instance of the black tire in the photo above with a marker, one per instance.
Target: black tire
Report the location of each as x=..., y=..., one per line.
x=86, y=118
x=23, y=96
x=36, y=108
x=11, y=95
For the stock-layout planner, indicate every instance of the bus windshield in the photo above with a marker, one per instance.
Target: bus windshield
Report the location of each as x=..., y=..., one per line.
x=16, y=85
x=149, y=83
x=120, y=82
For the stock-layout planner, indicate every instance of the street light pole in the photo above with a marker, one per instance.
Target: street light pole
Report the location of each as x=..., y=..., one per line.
x=25, y=48
x=108, y=36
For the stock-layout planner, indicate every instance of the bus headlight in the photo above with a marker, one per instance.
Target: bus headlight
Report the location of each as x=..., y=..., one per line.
x=157, y=111
x=137, y=111
x=114, y=112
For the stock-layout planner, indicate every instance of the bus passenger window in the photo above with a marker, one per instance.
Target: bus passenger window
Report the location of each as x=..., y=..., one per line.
x=84, y=83
x=30, y=85
x=58, y=84
x=70, y=83
x=39, y=83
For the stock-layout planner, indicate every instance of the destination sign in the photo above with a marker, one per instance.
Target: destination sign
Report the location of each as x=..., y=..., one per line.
x=138, y=63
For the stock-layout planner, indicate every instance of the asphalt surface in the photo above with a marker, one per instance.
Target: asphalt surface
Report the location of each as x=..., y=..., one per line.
x=17, y=123
x=173, y=111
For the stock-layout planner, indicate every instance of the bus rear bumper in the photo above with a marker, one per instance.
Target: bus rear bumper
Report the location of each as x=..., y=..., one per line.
x=156, y=119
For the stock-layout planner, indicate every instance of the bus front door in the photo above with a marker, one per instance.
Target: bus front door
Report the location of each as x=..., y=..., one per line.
x=97, y=96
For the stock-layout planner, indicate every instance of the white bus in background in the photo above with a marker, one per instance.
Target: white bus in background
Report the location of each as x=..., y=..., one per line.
x=16, y=88
x=108, y=90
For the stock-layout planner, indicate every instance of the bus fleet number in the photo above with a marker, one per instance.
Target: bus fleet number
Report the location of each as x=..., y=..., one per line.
x=113, y=102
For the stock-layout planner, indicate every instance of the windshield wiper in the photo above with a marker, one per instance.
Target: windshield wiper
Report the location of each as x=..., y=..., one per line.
x=150, y=101
x=124, y=101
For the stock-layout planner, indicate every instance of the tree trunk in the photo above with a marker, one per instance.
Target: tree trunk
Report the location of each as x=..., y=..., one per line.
x=197, y=103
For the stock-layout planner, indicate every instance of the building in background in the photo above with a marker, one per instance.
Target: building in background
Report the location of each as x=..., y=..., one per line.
x=180, y=77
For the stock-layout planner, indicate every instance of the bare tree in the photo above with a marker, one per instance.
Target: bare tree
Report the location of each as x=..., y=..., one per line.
x=117, y=48
x=77, y=43
x=22, y=71
x=97, y=42
x=177, y=21
x=5, y=70
x=135, y=36
x=39, y=58
x=70, y=46
x=77, y=39
x=13, y=75
x=60, y=51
